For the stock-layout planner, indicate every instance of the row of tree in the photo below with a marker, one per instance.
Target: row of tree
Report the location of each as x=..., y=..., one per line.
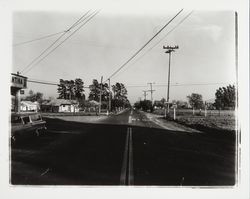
x=74, y=89
x=70, y=89
x=224, y=99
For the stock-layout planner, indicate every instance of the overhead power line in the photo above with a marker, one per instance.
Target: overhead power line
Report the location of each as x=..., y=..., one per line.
x=53, y=43
x=40, y=38
x=88, y=18
x=42, y=82
x=137, y=52
x=46, y=82
x=50, y=35
x=178, y=24
x=38, y=81
x=165, y=85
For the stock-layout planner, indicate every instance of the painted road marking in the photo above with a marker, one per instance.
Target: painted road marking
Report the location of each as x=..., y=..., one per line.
x=125, y=161
x=127, y=171
x=130, y=166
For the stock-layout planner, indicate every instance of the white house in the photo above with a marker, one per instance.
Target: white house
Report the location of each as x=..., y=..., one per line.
x=29, y=106
x=60, y=105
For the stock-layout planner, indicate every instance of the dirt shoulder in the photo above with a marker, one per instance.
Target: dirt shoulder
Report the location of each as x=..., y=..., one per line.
x=83, y=119
x=169, y=125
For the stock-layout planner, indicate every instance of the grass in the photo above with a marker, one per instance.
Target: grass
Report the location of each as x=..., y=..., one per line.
x=220, y=120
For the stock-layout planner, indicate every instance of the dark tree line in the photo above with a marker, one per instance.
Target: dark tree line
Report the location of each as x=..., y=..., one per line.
x=145, y=105
x=69, y=89
x=195, y=100
x=225, y=97
x=34, y=97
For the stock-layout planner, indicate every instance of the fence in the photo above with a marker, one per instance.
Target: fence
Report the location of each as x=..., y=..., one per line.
x=196, y=113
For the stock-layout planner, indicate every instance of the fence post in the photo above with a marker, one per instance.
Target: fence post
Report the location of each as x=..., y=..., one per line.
x=193, y=111
x=205, y=112
x=174, y=114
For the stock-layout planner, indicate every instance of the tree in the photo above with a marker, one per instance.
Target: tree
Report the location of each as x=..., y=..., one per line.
x=195, y=100
x=120, y=96
x=62, y=89
x=180, y=104
x=94, y=88
x=34, y=97
x=137, y=105
x=146, y=105
x=70, y=84
x=163, y=100
x=78, y=89
x=105, y=92
x=120, y=91
x=70, y=89
x=225, y=97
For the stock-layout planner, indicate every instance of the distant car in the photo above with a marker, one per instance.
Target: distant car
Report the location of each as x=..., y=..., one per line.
x=26, y=124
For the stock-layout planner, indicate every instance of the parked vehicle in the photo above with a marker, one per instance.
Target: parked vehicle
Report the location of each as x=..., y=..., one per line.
x=26, y=124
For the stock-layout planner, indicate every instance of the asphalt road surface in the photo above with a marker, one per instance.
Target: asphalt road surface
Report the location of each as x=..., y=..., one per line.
x=124, y=149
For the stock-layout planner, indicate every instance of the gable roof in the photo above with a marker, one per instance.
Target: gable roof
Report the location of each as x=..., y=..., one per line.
x=59, y=102
x=29, y=103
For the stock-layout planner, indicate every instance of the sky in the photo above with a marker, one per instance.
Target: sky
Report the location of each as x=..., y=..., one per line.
x=204, y=61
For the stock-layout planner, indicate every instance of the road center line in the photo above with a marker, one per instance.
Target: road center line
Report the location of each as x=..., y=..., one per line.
x=125, y=161
x=130, y=166
x=127, y=171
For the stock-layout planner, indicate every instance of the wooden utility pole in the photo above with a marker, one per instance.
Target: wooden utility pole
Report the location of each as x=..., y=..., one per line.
x=145, y=94
x=170, y=49
x=100, y=100
x=151, y=91
x=109, y=96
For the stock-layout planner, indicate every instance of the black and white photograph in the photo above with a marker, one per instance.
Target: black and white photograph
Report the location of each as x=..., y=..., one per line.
x=124, y=98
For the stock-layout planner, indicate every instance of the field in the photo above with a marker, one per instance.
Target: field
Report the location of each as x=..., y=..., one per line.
x=220, y=120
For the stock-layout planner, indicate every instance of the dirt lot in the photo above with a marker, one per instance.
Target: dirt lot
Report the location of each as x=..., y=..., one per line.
x=221, y=120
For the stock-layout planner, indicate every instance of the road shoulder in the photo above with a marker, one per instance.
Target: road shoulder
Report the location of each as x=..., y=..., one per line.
x=168, y=125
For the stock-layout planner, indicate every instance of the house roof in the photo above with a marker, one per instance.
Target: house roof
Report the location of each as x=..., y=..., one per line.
x=94, y=103
x=58, y=102
x=29, y=103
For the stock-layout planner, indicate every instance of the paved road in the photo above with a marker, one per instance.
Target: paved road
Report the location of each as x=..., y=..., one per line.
x=124, y=149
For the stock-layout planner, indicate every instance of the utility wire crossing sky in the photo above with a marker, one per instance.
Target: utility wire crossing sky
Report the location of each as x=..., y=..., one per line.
x=204, y=61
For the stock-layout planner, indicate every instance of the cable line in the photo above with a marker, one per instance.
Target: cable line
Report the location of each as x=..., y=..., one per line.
x=89, y=18
x=123, y=65
x=53, y=43
x=40, y=82
x=162, y=38
x=47, y=83
x=37, y=39
x=50, y=35
x=194, y=84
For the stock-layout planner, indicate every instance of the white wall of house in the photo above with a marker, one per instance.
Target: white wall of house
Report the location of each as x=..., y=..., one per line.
x=26, y=107
x=68, y=108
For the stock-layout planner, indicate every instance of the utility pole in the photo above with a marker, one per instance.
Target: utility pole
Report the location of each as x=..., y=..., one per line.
x=100, y=100
x=109, y=96
x=151, y=91
x=145, y=94
x=170, y=49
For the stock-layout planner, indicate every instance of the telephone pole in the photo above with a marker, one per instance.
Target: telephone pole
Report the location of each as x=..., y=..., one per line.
x=109, y=96
x=151, y=90
x=145, y=94
x=170, y=49
x=100, y=100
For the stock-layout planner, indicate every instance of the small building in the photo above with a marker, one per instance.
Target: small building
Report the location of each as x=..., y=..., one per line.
x=26, y=106
x=18, y=82
x=60, y=105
